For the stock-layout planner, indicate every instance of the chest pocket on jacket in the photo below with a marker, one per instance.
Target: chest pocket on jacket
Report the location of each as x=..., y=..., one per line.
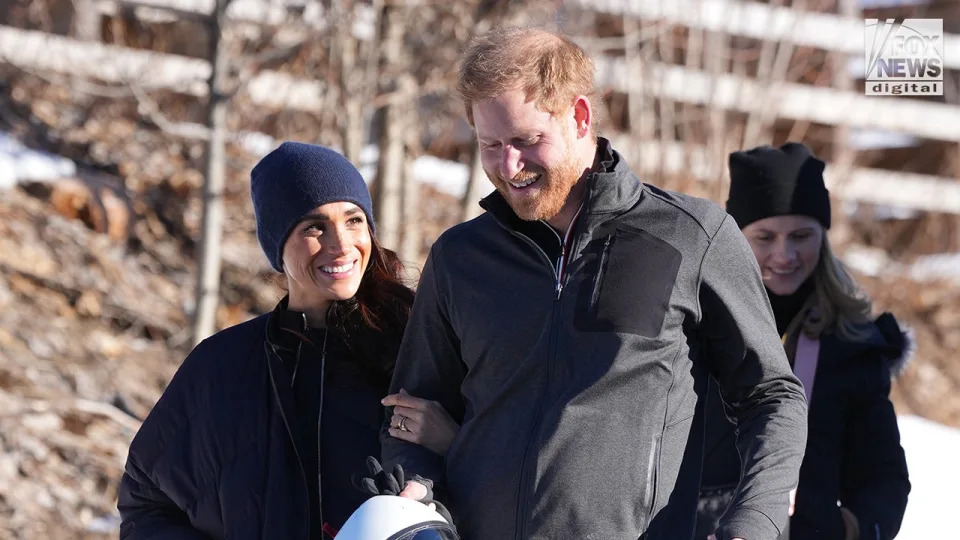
x=633, y=278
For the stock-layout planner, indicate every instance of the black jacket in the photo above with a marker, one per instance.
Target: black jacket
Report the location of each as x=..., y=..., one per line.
x=580, y=385
x=230, y=449
x=853, y=450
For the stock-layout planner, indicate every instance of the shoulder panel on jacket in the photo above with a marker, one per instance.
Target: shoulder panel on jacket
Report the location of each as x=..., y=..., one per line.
x=705, y=213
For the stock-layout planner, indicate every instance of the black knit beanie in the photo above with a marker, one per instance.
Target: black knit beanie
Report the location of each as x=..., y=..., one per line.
x=294, y=179
x=767, y=181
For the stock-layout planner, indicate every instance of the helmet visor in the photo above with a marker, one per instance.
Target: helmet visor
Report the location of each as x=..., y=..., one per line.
x=427, y=531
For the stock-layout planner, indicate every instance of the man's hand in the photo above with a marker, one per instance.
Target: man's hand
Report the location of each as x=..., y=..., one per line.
x=414, y=490
x=421, y=421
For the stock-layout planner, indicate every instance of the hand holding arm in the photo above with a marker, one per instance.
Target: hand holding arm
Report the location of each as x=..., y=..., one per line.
x=421, y=421
x=429, y=366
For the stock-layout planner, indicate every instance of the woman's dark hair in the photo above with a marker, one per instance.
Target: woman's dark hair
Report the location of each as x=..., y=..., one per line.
x=372, y=322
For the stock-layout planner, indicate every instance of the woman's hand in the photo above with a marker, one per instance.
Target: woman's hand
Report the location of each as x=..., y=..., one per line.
x=421, y=421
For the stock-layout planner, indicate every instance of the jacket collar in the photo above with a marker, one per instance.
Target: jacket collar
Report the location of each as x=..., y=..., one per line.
x=611, y=188
x=287, y=328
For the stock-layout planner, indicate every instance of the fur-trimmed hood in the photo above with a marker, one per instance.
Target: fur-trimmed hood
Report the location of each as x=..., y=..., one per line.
x=899, y=340
x=882, y=338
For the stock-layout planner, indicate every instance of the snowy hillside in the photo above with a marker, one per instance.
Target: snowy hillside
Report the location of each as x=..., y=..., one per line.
x=932, y=459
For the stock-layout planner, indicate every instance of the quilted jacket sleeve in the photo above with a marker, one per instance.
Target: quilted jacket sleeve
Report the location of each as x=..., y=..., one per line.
x=147, y=512
x=162, y=471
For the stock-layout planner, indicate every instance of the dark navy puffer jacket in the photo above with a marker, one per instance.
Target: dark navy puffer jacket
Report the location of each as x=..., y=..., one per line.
x=853, y=453
x=217, y=456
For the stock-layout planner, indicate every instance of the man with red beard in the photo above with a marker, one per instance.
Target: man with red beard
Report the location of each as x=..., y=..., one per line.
x=571, y=330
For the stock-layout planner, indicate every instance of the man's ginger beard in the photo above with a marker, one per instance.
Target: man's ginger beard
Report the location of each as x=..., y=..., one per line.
x=554, y=187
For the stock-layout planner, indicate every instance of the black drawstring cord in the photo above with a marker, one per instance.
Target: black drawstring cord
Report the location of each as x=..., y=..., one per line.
x=303, y=337
x=296, y=364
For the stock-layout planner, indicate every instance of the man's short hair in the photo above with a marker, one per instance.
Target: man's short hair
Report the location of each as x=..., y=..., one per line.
x=548, y=67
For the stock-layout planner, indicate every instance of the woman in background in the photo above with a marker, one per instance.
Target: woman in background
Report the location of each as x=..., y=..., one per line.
x=853, y=480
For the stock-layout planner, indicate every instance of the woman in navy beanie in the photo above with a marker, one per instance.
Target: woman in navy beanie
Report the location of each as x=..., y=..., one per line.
x=259, y=432
x=853, y=480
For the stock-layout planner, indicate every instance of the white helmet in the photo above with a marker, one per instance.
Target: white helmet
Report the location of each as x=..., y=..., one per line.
x=388, y=517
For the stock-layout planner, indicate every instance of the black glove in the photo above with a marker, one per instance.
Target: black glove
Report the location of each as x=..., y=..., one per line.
x=380, y=482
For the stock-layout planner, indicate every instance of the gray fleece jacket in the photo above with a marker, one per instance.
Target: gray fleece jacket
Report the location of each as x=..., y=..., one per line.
x=580, y=381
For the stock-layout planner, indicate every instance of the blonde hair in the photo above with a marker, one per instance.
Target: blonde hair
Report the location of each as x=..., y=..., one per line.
x=842, y=305
x=549, y=68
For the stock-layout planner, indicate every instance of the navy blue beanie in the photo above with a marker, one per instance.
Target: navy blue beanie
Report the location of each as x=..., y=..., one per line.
x=294, y=179
x=767, y=182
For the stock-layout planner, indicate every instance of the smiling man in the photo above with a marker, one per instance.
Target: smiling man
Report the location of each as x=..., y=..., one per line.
x=572, y=328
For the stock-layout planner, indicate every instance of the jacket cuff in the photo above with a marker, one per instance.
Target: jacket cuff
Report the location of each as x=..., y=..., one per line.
x=749, y=524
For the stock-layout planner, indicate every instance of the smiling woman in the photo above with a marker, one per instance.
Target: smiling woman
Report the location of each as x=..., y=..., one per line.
x=261, y=429
x=325, y=257
x=853, y=479
x=787, y=249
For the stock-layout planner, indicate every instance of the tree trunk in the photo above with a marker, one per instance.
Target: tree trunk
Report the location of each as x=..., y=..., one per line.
x=351, y=76
x=208, y=270
x=352, y=127
x=477, y=187
x=388, y=192
x=411, y=237
x=388, y=195
x=844, y=154
x=86, y=20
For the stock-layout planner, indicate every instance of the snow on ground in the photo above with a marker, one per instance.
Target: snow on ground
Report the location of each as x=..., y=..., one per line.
x=933, y=460
x=875, y=262
x=448, y=177
x=19, y=163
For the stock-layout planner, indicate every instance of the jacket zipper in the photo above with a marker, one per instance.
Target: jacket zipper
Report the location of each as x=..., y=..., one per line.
x=564, y=242
x=595, y=294
x=323, y=385
x=558, y=270
x=559, y=273
x=653, y=467
x=286, y=421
